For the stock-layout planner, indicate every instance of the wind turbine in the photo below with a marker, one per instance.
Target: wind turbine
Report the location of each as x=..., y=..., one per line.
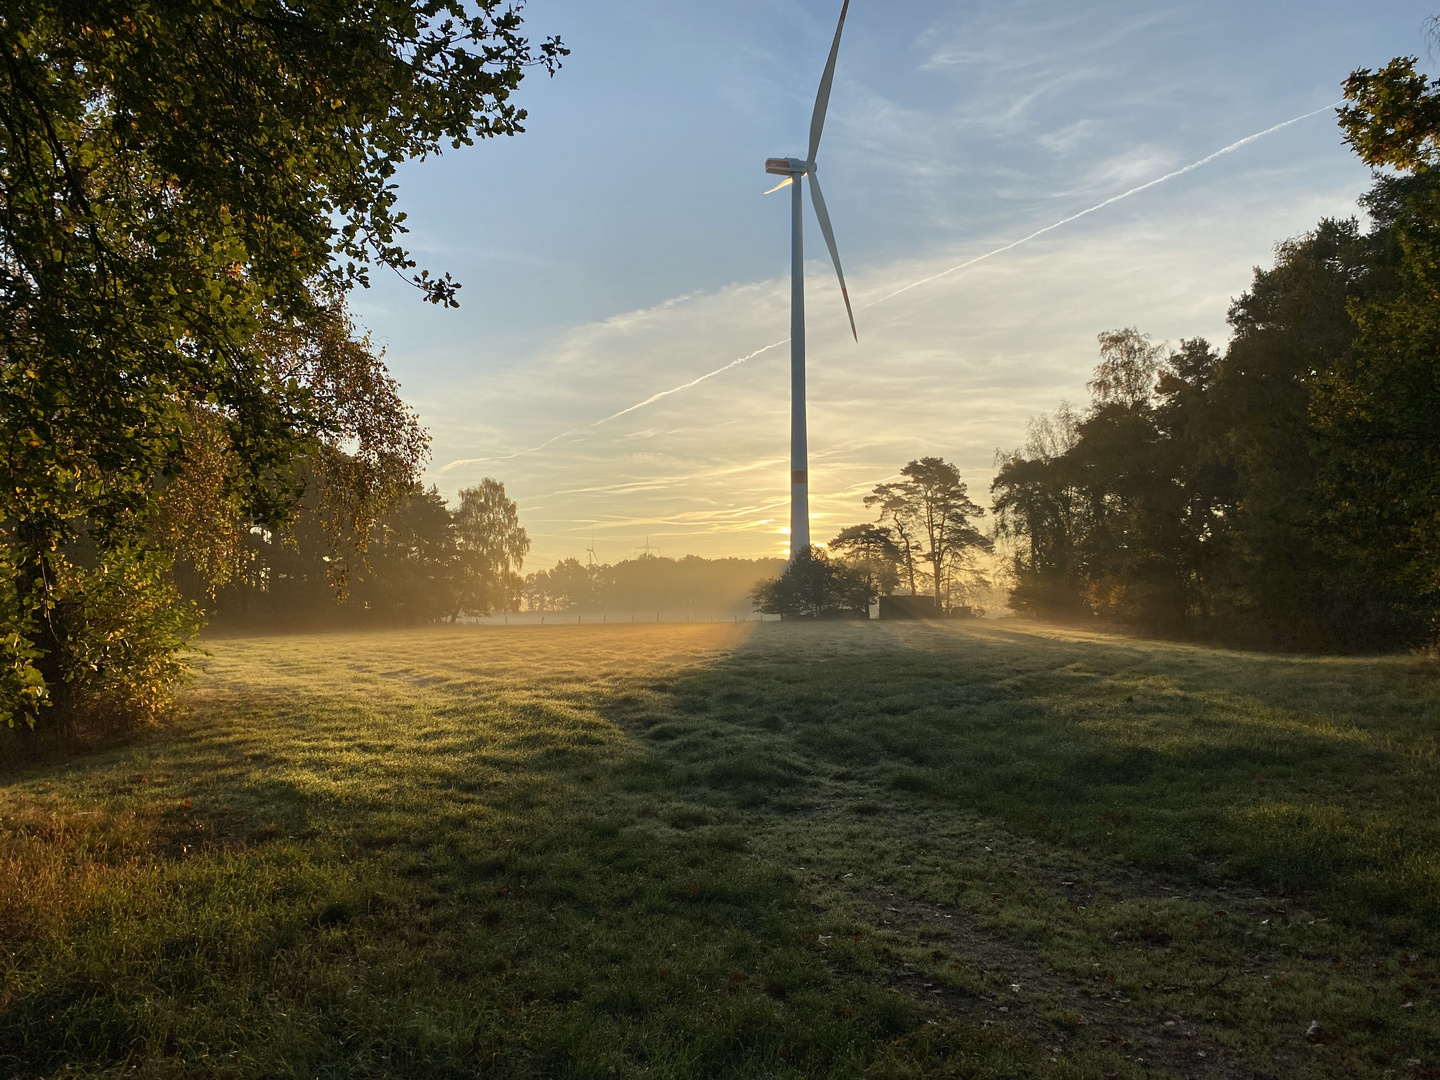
x=793, y=169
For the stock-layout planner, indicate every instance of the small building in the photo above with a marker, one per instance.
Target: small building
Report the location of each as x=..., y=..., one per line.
x=909, y=607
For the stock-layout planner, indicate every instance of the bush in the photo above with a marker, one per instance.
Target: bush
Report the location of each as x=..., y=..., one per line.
x=119, y=629
x=812, y=586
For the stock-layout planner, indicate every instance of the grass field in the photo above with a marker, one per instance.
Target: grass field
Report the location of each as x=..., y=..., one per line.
x=779, y=850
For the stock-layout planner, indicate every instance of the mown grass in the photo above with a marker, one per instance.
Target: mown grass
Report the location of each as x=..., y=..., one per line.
x=877, y=850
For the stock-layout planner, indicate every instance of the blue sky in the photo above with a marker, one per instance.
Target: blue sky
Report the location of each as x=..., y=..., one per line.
x=623, y=246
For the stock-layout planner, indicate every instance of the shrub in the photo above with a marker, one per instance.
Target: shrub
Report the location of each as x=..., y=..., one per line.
x=812, y=586
x=120, y=629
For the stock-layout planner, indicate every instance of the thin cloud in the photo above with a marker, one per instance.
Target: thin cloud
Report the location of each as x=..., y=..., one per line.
x=1102, y=205
x=655, y=482
x=1230, y=149
x=623, y=412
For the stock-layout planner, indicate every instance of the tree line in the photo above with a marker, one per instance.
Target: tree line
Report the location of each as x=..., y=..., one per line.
x=425, y=561
x=1286, y=489
x=648, y=583
x=421, y=561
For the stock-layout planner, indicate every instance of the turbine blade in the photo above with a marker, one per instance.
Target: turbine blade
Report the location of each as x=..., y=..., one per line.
x=783, y=183
x=822, y=99
x=829, y=234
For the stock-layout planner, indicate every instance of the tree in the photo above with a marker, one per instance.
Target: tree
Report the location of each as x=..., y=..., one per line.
x=1130, y=363
x=1229, y=492
x=931, y=511
x=492, y=547
x=649, y=583
x=896, y=507
x=1293, y=328
x=411, y=569
x=1131, y=510
x=871, y=550
x=1380, y=404
x=1106, y=502
x=570, y=586
x=358, y=452
x=1038, y=504
x=811, y=587
x=1394, y=116
x=538, y=593
x=408, y=573
x=177, y=179
x=1196, y=494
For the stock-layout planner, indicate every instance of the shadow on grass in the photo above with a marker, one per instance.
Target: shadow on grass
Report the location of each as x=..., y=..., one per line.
x=1309, y=776
x=485, y=878
x=580, y=854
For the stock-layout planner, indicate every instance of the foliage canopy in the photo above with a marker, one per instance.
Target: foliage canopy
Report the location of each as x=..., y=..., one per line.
x=812, y=586
x=185, y=187
x=928, y=512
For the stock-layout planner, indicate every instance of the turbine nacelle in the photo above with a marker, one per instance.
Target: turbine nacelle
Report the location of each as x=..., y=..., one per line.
x=788, y=166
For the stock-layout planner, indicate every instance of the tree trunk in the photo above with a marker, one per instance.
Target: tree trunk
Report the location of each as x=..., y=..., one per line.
x=909, y=558
x=35, y=586
x=939, y=563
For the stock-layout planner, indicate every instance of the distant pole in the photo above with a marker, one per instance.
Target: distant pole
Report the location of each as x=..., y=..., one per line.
x=799, y=450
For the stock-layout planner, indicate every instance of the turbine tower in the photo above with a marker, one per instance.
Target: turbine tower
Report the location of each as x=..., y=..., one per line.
x=793, y=169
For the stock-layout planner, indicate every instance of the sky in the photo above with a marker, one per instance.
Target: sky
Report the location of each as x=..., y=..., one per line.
x=623, y=248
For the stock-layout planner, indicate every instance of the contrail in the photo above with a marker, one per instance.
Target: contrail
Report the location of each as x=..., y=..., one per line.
x=683, y=386
x=616, y=416
x=1101, y=205
x=916, y=284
